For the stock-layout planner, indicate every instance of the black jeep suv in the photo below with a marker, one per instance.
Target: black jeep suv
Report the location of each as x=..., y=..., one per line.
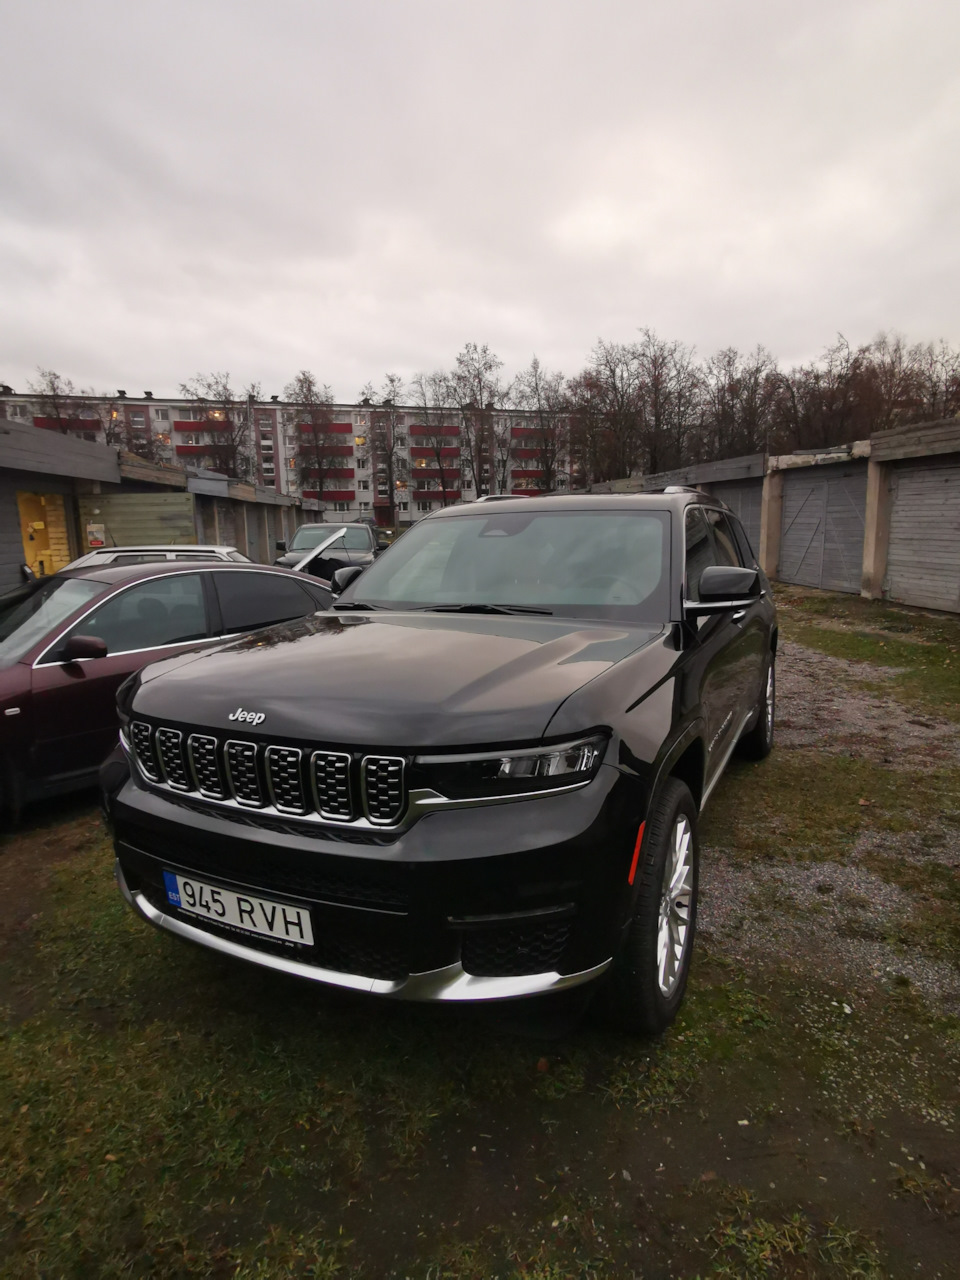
x=479, y=776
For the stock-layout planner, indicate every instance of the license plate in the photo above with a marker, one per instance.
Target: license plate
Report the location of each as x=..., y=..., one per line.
x=276, y=920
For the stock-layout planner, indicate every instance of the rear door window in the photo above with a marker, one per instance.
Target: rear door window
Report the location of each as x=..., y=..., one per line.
x=249, y=600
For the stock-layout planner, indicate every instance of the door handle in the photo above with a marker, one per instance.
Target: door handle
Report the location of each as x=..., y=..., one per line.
x=739, y=615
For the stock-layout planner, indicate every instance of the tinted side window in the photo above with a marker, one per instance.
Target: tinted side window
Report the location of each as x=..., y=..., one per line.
x=699, y=551
x=747, y=553
x=727, y=552
x=249, y=600
x=151, y=614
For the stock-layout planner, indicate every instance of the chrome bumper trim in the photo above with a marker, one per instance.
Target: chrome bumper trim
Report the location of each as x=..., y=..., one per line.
x=449, y=983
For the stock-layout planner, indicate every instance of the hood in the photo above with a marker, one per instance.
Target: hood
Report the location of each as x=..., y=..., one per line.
x=400, y=680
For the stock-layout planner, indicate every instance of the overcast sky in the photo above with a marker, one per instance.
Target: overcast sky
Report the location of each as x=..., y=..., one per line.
x=363, y=186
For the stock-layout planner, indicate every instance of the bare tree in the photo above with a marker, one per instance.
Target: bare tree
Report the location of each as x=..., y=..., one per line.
x=431, y=395
x=478, y=394
x=70, y=409
x=319, y=453
x=227, y=419
x=543, y=396
x=386, y=450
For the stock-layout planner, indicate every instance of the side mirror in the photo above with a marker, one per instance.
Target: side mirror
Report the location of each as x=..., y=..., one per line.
x=724, y=588
x=343, y=577
x=281, y=545
x=78, y=648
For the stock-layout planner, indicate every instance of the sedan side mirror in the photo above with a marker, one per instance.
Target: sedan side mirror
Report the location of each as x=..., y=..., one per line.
x=724, y=588
x=78, y=648
x=281, y=545
x=343, y=577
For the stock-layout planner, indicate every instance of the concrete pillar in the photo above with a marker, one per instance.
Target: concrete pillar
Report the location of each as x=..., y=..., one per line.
x=876, y=529
x=771, y=522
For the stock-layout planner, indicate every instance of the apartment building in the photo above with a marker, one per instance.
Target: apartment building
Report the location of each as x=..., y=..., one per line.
x=371, y=461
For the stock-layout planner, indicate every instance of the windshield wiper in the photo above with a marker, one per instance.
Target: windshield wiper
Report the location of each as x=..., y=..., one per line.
x=484, y=608
x=358, y=604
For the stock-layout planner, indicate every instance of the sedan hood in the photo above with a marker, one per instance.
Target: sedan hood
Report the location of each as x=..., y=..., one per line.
x=401, y=680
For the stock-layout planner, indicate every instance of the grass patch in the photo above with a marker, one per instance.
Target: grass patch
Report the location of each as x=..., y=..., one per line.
x=923, y=650
x=801, y=805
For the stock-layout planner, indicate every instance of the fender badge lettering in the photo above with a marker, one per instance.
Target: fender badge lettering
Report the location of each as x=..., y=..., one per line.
x=249, y=717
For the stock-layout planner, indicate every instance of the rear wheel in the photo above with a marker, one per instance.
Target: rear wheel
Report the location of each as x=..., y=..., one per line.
x=757, y=743
x=649, y=974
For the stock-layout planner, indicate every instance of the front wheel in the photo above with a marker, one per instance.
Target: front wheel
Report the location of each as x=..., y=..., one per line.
x=646, y=983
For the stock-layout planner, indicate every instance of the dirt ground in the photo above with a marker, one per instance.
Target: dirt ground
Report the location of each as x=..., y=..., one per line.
x=800, y=1120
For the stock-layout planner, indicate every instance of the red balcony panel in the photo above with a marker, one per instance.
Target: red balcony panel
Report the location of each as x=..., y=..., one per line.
x=434, y=473
x=436, y=494
x=526, y=475
x=327, y=451
x=331, y=428
x=525, y=453
x=435, y=431
x=424, y=451
x=193, y=448
x=338, y=495
x=209, y=424
x=521, y=433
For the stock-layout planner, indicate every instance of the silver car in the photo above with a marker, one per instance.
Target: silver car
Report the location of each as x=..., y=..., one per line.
x=147, y=554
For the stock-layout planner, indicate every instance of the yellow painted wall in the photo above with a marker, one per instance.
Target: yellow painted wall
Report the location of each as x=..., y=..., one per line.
x=43, y=528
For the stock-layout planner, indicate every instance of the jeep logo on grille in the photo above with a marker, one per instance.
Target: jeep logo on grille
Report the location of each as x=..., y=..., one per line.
x=248, y=717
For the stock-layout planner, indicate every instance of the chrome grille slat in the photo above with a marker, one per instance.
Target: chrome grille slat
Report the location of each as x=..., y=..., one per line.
x=172, y=763
x=383, y=787
x=242, y=773
x=275, y=778
x=330, y=780
x=204, y=756
x=284, y=780
x=141, y=739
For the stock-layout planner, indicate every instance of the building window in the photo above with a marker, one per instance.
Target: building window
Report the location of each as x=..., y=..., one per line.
x=363, y=484
x=404, y=506
x=341, y=506
x=19, y=411
x=364, y=506
x=423, y=506
x=138, y=419
x=400, y=441
x=362, y=464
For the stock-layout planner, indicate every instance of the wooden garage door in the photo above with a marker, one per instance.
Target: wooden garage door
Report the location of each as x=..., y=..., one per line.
x=923, y=560
x=744, y=498
x=821, y=543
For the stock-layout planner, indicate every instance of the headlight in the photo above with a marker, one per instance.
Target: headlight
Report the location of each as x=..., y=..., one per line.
x=508, y=773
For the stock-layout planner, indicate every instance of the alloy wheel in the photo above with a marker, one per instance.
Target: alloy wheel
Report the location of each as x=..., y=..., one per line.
x=676, y=892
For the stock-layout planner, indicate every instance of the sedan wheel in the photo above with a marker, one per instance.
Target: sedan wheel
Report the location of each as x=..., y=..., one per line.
x=648, y=977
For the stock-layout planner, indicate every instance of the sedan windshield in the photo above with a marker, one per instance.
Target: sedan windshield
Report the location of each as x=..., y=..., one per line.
x=311, y=535
x=53, y=602
x=598, y=564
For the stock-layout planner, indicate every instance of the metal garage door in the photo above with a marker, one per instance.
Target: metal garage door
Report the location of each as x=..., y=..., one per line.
x=744, y=498
x=923, y=560
x=821, y=543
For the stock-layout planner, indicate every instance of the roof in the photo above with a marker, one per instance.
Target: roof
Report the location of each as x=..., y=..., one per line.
x=113, y=573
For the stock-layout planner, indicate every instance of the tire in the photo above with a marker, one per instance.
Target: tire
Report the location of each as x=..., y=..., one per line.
x=645, y=985
x=757, y=743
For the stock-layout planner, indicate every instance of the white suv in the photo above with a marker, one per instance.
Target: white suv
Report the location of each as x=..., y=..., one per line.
x=149, y=554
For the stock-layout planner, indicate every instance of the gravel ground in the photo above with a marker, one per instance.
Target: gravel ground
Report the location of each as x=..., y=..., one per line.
x=838, y=920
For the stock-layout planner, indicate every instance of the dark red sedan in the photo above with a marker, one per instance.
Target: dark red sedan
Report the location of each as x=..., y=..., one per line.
x=67, y=643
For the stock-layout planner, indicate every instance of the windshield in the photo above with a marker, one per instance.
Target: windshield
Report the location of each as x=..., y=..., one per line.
x=311, y=535
x=598, y=564
x=28, y=622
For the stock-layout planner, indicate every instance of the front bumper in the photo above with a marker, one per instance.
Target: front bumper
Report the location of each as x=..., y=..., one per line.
x=494, y=903
x=452, y=982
